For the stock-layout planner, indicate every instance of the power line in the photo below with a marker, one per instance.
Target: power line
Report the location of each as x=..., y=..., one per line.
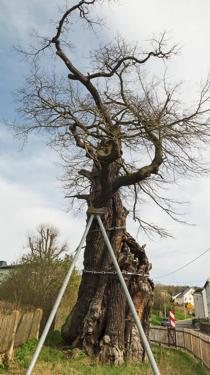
x=185, y=265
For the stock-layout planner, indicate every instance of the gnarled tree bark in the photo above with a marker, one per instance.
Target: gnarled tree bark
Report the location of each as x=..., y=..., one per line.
x=101, y=322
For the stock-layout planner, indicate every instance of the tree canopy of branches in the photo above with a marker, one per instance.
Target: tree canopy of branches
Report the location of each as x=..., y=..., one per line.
x=121, y=134
x=162, y=299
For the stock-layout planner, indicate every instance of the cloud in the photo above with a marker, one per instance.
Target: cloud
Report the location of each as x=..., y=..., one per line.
x=22, y=210
x=33, y=165
x=186, y=24
x=188, y=242
x=30, y=194
x=19, y=19
x=29, y=191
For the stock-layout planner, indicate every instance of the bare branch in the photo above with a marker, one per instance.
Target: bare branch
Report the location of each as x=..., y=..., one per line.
x=115, y=127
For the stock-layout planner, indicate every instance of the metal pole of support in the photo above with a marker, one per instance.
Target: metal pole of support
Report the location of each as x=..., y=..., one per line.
x=129, y=299
x=58, y=300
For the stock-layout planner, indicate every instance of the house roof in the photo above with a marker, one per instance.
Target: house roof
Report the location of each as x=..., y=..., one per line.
x=176, y=295
x=184, y=292
x=198, y=290
x=206, y=283
x=7, y=267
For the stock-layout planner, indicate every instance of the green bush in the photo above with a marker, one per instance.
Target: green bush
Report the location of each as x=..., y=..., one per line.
x=40, y=274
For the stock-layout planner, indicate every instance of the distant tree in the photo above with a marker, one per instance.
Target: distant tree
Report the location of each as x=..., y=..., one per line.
x=162, y=299
x=41, y=271
x=123, y=136
x=44, y=246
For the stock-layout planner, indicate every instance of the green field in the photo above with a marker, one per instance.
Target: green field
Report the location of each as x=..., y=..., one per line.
x=74, y=362
x=155, y=319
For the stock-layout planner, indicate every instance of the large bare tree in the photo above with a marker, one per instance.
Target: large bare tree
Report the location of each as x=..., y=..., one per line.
x=122, y=136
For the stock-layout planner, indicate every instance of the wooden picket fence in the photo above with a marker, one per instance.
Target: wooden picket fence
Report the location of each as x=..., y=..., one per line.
x=17, y=328
x=193, y=341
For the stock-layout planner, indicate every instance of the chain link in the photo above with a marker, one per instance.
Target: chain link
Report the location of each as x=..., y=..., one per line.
x=115, y=273
x=108, y=229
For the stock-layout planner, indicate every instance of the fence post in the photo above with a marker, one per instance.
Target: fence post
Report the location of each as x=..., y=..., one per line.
x=38, y=313
x=184, y=337
x=191, y=342
x=200, y=347
x=10, y=350
x=200, y=350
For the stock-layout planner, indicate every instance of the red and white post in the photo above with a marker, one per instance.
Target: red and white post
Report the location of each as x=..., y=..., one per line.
x=172, y=319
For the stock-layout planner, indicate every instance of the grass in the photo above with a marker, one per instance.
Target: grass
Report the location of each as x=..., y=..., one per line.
x=53, y=361
x=155, y=319
x=180, y=314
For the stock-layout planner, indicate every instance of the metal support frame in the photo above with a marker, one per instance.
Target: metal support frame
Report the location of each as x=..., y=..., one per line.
x=143, y=337
x=58, y=299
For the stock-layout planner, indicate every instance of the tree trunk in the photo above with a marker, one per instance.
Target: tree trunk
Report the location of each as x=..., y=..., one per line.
x=101, y=322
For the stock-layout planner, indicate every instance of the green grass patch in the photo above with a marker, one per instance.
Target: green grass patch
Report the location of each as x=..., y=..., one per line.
x=75, y=362
x=48, y=354
x=180, y=314
x=176, y=362
x=155, y=319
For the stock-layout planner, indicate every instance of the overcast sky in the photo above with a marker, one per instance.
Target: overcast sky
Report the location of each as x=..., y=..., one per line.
x=30, y=192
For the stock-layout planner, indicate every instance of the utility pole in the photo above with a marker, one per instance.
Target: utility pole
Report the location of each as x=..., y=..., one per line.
x=185, y=315
x=164, y=294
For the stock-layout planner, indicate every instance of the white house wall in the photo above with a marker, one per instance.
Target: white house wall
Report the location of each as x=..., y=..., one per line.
x=185, y=298
x=206, y=313
x=207, y=288
x=200, y=312
x=188, y=297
